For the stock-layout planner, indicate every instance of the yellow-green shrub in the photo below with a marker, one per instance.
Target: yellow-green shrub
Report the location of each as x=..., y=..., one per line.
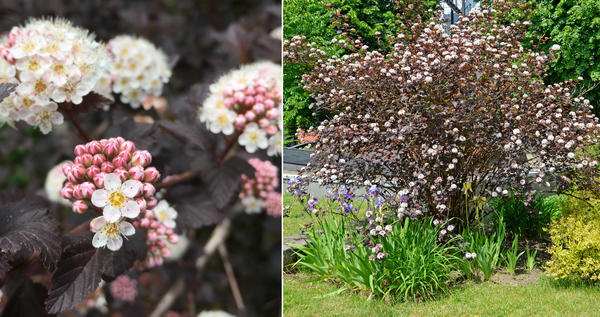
x=575, y=239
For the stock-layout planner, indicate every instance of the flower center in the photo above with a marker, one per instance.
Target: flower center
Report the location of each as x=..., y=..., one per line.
x=162, y=215
x=116, y=199
x=253, y=136
x=33, y=66
x=40, y=87
x=111, y=228
x=223, y=119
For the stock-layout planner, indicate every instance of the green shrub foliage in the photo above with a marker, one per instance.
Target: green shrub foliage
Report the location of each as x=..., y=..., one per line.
x=575, y=238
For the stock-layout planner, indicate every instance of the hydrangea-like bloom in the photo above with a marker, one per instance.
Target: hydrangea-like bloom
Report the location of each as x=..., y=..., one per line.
x=255, y=192
x=124, y=288
x=116, y=180
x=110, y=234
x=247, y=103
x=52, y=62
x=139, y=69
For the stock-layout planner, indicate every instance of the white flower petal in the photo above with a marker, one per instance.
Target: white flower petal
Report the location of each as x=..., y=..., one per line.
x=126, y=228
x=99, y=198
x=111, y=214
x=112, y=181
x=131, y=209
x=97, y=223
x=131, y=188
x=169, y=223
x=99, y=240
x=115, y=242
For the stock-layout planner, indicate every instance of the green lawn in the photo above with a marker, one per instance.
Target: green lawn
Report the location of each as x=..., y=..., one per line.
x=541, y=298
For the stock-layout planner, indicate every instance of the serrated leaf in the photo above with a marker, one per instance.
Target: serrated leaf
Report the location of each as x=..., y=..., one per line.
x=27, y=300
x=223, y=181
x=26, y=224
x=193, y=133
x=194, y=207
x=82, y=266
x=6, y=90
x=78, y=273
x=116, y=263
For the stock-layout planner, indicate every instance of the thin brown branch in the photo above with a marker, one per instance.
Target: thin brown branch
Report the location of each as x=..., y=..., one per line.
x=177, y=178
x=235, y=289
x=80, y=132
x=217, y=237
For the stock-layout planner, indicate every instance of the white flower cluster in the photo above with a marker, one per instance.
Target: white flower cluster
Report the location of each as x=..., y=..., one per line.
x=52, y=62
x=139, y=69
x=247, y=101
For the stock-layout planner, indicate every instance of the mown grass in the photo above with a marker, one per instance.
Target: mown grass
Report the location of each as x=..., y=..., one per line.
x=303, y=297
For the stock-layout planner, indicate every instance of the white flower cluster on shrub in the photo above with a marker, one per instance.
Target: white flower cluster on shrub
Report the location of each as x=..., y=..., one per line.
x=139, y=69
x=52, y=62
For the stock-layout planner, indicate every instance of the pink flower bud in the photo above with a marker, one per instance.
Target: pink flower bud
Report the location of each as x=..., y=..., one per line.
x=269, y=104
x=150, y=262
x=77, y=192
x=249, y=100
x=86, y=159
x=87, y=189
x=151, y=202
x=120, y=140
x=99, y=159
x=165, y=252
x=142, y=158
x=67, y=191
x=148, y=190
x=80, y=150
x=142, y=203
x=154, y=224
x=123, y=174
x=229, y=102
x=250, y=115
x=152, y=236
x=161, y=230
x=92, y=171
x=127, y=146
x=94, y=147
x=148, y=213
x=79, y=206
x=158, y=261
x=107, y=167
x=258, y=108
x=151, y=174
x=111, y=149
x=99, y=179
x=273, y=114
x=173, y=238
x=119, y=162
x=137, y=173
x=125, y=155
x=66, y=168
x=161, y=243
x=272, y=130
x=239, y=96
x=145, y=223
x=78, y=171
x=228, y=91
x=263, y=123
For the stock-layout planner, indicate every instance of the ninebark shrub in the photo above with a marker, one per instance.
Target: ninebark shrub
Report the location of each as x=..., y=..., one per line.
x=449, y=118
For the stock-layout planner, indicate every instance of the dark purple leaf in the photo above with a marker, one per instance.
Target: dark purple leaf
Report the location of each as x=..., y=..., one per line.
x=195, y=208
x=116, y=263
x=223, y=181
x=26, y=300
x=26, y=224
x=78, y=273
